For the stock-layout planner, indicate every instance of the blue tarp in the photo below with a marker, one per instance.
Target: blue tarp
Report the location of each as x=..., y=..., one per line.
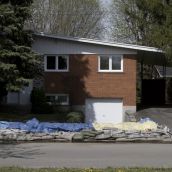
x=34, y=125
x=143, y=120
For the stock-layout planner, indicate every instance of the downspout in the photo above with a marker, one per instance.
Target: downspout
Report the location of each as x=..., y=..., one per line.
x=165, y=77
x=18, y=98
x=141, y=82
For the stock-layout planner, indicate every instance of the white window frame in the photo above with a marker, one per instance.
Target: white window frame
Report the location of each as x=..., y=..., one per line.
x=56, y=61
x=110, y=63
x=56, y=95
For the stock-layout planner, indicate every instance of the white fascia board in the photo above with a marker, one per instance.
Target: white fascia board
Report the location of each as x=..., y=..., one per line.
x=83, y=52
x=99, y=42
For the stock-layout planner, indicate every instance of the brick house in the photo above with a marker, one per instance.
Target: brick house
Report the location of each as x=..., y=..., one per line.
x=96, y=77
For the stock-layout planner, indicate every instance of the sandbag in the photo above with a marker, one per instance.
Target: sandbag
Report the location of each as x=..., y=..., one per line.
x=148, y=125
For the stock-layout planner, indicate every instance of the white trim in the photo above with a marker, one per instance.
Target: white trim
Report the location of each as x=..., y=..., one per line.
x=56, y=61
x=56, y=95
x=100, y=42
x=88, y=53
x=110, y=64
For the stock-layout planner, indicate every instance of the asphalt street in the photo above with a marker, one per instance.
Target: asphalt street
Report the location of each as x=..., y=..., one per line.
x=84, y=155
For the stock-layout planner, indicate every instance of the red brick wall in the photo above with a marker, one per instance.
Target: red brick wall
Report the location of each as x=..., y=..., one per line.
x=83, y=80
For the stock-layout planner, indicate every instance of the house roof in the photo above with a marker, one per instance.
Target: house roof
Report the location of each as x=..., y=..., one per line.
x=145, y=54
x=100, y=42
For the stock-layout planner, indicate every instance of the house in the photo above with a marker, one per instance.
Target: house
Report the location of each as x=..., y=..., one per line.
x=96, y=77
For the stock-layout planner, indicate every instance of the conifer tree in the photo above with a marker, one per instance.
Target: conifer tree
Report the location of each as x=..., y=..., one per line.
x=146, y=22
x=18, y=63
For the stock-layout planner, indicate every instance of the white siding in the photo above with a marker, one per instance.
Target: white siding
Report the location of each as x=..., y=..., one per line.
x=56, y=46
x=20, y=98
x=13, y=98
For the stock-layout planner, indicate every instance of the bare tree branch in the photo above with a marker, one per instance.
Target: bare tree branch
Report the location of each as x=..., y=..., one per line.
x=79, y=18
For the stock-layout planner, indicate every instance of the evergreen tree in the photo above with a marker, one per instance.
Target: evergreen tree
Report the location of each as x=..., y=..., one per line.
x=18, y=63
x=147, y=22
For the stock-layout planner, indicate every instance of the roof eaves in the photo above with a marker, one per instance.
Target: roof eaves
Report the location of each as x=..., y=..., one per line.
x=99, y=42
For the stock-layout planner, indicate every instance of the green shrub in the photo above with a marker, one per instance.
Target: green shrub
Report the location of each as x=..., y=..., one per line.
x=75, y=117
x=39, y=104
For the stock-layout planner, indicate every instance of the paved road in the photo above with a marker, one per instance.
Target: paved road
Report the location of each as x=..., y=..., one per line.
x=83, y=155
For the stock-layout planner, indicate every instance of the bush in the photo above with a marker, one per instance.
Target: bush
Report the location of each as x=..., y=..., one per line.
x=75, y=117
x=39, y=104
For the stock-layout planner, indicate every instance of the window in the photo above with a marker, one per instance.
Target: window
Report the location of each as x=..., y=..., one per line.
x=112, y=63
x=56, y=63
x=58, y=99
x=62, y=62
x=104, y=63
x=51, y=62
x=116, y=62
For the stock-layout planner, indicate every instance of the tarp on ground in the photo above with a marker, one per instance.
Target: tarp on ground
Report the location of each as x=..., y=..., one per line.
x=34, y=125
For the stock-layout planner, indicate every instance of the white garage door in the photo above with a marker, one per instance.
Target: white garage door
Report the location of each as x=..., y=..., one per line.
x=104, y=110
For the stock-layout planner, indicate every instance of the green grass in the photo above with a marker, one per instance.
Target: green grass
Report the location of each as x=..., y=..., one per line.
x=15, y=169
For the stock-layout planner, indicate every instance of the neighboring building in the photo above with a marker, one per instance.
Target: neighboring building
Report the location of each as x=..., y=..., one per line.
x=96, y=77
x=164, y=72
x=21, y=98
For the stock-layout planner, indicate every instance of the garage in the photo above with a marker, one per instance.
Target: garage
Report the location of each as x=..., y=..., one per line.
x=104, y=110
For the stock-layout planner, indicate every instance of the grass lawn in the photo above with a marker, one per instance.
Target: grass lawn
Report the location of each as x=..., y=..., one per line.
x=15, y=169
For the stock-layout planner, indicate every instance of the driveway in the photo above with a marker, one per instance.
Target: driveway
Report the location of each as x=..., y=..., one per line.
x=82, y=155
x=162, y=116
